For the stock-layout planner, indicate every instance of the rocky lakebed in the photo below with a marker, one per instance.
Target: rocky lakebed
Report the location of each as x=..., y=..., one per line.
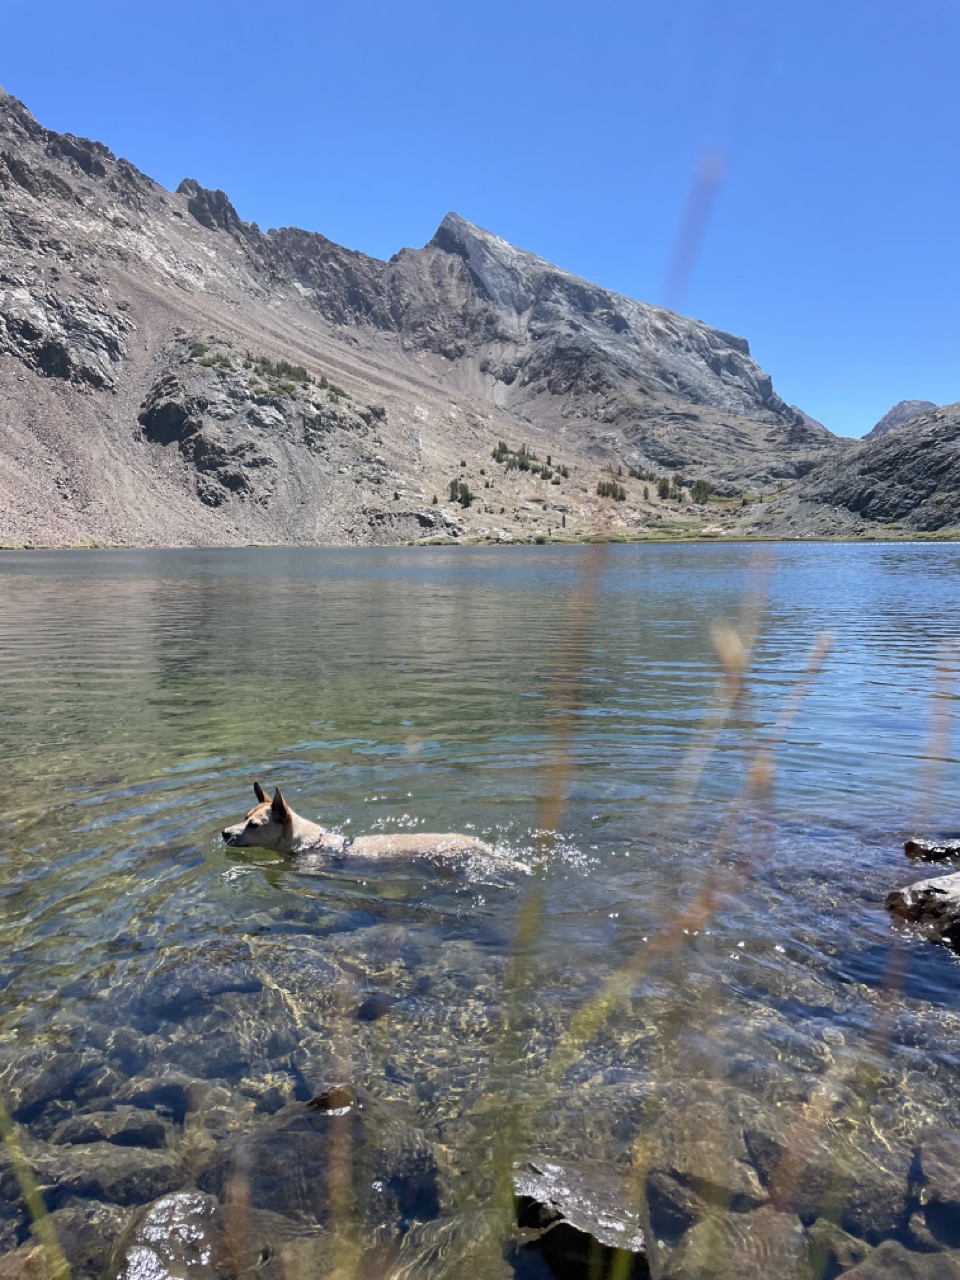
x=307, y=1101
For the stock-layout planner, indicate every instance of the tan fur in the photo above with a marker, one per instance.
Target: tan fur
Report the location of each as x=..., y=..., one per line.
x=272, y=824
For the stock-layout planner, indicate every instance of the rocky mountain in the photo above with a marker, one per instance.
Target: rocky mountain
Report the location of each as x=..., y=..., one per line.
x=903, y=411
x=171, y=374
x=906, y=480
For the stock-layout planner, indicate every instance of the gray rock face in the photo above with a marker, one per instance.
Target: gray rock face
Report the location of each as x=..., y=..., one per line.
x=110, y=432
x=901, y=412
x=71, y=336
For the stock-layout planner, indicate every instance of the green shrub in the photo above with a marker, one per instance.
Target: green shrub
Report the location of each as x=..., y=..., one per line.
x=663, y=488
x=701, y=491
x=281, y=369
x=198, y=349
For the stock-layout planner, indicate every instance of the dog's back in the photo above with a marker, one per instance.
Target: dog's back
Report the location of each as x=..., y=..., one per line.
x=414, y=845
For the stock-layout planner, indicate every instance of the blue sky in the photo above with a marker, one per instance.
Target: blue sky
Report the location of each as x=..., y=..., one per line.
x=576, y=131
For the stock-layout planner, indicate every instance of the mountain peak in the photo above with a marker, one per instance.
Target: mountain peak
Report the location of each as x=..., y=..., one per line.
x=498, y=268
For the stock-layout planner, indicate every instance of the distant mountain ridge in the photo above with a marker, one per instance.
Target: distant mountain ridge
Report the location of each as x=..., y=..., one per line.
x=902, y=411
x=144, y=334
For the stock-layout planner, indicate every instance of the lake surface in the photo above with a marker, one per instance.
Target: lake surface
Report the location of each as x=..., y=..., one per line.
x=500, y=692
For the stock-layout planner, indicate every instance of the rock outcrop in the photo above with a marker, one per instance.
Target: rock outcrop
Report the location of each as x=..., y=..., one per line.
x=110, y=432
x=906, y=480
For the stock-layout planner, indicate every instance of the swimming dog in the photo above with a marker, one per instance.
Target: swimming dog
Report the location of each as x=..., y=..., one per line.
x=272, y=824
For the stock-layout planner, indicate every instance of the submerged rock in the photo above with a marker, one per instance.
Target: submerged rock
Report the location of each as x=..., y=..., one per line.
x=741, y=1246
x=125, y=1127
x=893, y=1262
x=103, y=1171
x=578, y=1222
x=933, y=904
x=938, y=1161
x=177, y=1238
x=86, y=1231
x=30, y=1262
x=301, y=1160
x=832, y=1250
x=700, y=1161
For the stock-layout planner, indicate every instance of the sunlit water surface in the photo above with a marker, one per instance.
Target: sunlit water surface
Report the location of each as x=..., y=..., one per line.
x=141, y=693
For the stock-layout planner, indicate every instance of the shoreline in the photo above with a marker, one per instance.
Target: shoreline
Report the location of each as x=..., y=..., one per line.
x=950, y=536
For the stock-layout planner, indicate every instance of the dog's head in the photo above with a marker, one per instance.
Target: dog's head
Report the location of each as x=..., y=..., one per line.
x=265, y=826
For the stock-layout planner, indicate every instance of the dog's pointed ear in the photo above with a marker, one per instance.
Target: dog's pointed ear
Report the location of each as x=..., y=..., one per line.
x=279, y=806
x=259, y=792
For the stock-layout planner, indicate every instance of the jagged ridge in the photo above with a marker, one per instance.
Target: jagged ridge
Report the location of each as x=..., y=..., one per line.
x=105, y=277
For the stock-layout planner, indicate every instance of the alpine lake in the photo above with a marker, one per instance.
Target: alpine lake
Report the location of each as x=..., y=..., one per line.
x=674, y=980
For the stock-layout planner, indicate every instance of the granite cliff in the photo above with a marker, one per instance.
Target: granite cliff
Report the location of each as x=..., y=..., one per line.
x=171, y=374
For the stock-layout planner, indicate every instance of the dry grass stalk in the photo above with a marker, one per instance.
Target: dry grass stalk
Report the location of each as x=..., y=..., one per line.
x=56, y=1265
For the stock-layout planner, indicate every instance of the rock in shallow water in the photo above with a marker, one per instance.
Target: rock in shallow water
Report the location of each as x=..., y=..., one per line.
x=699, y=1159
x=932, y=850
x=125, y=1127
x=938, y=1163
x=932, y=904
x=582, y=1227
x=296, y=1162
x=104, y=1171
x=86, y=1231
x=763, y=1245
x=177, y=1238
x=893, y=1262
